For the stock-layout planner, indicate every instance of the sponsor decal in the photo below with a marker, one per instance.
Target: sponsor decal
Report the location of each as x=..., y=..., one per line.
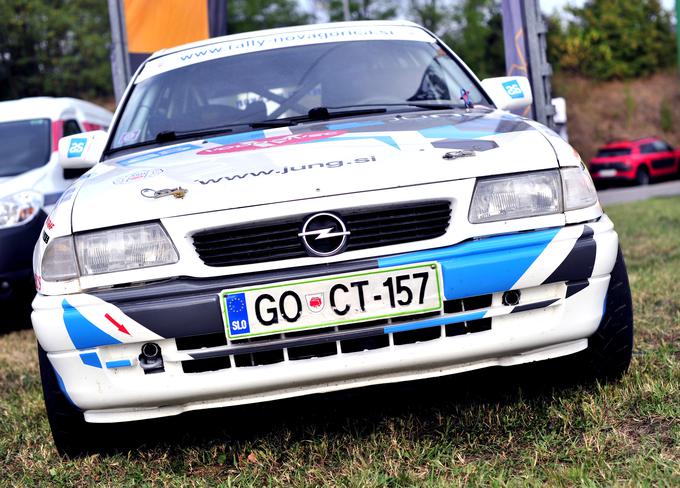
x=45, y=237
x=315, y=302
x=76, y=148
x=276, y=41
x=237, y=313
x=158, y=154
x=513, y=89
x=269, y=142
x=49, y=224
x=287, y=170
x=137, y=175
x=38, y=282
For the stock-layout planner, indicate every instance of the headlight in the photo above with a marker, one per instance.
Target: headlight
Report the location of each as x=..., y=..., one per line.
x=20, y=208
x=124, y=248
x=516, y=196
x=578, y=188
x=59, y=260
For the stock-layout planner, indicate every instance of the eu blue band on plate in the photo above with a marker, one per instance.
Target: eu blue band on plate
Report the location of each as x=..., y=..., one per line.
x=237, y=312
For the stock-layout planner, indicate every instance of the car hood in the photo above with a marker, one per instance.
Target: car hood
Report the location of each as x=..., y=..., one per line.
x=308, y=161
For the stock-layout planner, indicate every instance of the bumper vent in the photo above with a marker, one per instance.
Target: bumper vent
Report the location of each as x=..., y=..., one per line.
x=368, y=226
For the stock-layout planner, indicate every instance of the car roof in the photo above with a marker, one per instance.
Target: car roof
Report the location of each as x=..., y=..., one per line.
x=51, y=108
x=627, y=143
x=283, y=30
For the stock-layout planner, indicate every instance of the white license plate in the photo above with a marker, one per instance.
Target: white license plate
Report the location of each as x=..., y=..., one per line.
x=607, y=173
x=331, y=300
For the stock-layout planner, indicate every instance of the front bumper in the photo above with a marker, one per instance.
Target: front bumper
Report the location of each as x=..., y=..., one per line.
x=94, y=340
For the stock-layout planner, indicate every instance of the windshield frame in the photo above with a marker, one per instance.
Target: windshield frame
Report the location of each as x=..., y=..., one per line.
x=115, y=152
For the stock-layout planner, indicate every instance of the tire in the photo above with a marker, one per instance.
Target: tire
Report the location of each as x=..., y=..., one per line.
x=610, y=348
x=642, y=176
x=73, y=437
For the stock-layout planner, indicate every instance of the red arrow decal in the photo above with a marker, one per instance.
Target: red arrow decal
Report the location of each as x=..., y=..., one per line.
x=120, y=327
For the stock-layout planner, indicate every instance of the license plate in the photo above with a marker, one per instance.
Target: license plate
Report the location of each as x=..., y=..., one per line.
x=331, y=300
x=605, y=173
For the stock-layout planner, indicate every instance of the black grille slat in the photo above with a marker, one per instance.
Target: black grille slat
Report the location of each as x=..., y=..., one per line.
x=369, y=227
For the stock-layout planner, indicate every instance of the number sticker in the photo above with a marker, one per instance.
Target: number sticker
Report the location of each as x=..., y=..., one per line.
x=76, y=148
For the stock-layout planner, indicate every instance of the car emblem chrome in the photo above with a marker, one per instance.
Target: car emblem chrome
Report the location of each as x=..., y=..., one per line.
x=324, y=234
x=459, y=153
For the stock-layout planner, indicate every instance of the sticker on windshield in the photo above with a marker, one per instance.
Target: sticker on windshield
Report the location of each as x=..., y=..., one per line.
x=513, y=89
x=245, y=45
x=76, y=148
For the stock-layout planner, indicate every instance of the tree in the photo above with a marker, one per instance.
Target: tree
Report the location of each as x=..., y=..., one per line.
x=54, y=47
x=250, y=15
x=478, y=36
x=616, y=39
x=364, y=10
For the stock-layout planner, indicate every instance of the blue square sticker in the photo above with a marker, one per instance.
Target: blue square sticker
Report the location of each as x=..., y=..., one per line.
x=76, y=148
x=237, y=314
x=513, y=89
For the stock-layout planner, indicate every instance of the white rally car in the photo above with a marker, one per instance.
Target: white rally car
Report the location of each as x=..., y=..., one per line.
x=31, y=181
x=309, y=209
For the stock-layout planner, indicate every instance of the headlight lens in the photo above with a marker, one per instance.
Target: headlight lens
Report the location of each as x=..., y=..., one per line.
x=579, y=190
x=124, y=248
x=59, y=260
x=20, y=208
x=516, y=196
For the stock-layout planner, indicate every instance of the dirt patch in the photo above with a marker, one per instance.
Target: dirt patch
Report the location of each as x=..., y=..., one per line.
x=599, y=112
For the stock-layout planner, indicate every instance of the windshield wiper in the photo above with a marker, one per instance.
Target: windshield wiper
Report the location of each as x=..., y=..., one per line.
x=171, y=135
x=316, y=114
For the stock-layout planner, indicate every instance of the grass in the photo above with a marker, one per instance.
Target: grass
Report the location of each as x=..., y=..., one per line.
x=501, y=427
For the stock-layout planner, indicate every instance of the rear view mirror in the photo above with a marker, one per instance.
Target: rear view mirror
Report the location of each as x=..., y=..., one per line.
x=509, y=92
x=82, y=151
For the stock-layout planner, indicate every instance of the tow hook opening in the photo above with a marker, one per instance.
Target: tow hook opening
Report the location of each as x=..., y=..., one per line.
x=511, y=298
x=151, y=358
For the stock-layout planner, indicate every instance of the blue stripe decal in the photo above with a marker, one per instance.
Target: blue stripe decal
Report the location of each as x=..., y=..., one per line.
x=434, y=322
x=91, y=359
x=482, y=266
x=158, y=154
x=51, y=198
x=62, y=387
x=243, y=136
x=83, y=333
x=352, y=125
x=453, y=132
x=123, y=363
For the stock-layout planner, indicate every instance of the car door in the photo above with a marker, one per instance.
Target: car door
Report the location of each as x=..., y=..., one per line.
x=662, y=160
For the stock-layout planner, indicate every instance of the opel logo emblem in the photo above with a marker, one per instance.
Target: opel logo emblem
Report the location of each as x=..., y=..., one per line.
x=324, y=234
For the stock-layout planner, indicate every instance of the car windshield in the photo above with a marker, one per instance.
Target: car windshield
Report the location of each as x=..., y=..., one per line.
x=25, y=145
x=288, y=82
x=613, y=152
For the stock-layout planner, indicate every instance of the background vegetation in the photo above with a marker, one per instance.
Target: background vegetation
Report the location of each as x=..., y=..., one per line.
x=61, y=47
x=499, y=427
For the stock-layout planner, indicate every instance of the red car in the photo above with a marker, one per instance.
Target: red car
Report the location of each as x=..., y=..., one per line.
x=637, y=161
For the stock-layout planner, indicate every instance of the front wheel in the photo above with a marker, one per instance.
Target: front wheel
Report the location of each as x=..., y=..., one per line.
x=610, y=348
x=642, y=176
x=73, y=437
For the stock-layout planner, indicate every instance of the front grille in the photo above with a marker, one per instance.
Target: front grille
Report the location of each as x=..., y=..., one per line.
x=318, y=348
x=368, y=226
x=619, y=166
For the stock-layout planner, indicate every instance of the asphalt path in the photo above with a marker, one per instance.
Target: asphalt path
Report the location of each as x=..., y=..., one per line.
x=613, y=196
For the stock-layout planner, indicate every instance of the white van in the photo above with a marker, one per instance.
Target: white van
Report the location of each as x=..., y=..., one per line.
x=31, y=182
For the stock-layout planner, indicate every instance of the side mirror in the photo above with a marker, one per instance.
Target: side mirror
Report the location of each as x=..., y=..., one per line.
x=82, y=151
x=509, y=92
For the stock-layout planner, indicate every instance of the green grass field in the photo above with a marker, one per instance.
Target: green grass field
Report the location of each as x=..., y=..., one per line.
x=490, y=427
